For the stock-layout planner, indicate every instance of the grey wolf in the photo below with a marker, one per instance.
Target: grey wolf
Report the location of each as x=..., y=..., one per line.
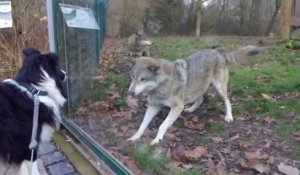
x=153, y=26
x=182, y=82
x=39, y=73
x=139, y=44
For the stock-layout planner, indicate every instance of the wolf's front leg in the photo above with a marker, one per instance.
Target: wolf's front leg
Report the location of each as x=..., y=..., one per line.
x=171, y=118
x=150, y=113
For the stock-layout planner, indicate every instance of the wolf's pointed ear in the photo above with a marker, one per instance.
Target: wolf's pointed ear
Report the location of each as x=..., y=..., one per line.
x=153, y=68
x=29, y=51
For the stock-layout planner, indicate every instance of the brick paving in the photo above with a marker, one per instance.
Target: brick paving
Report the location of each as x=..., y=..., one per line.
x=54, y=161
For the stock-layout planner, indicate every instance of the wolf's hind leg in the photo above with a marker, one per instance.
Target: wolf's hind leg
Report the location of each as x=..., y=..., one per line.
x=196, y=104
x=221, y=88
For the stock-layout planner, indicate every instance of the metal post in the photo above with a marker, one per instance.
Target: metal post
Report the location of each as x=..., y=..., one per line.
x=51, y=26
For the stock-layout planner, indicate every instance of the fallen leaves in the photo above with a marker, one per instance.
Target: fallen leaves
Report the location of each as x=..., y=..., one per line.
x=288, y=170
x=233, y=138
x=269, y=120
x=196, y=153
x=266, y=96
x=244, y=143
x=296, y=134
x=131, y=101
x=179, y=166
x=217, y=139
x=216, y=169
x=254, y=160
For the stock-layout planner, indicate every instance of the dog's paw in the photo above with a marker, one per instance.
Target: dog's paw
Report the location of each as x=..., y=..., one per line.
x=228, y=118
x=133, y=138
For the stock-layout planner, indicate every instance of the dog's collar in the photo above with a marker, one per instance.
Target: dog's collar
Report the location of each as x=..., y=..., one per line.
x=34, y=91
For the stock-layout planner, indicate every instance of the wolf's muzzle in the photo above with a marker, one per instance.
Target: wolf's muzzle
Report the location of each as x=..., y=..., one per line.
x=131, y=93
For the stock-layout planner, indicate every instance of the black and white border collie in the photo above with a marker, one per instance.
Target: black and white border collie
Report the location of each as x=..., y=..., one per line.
x=40, y=72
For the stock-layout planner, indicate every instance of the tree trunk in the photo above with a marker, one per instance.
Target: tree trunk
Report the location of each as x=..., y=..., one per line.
x=198, y=20
x=243, y=6
x=254, y=25
x=294, y=8
x=286, y=9
x=271, y=23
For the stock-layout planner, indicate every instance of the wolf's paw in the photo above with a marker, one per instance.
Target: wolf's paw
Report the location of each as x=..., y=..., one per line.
x=228, y=118
x=155, y=141
x=134, y=138
x=188, y=110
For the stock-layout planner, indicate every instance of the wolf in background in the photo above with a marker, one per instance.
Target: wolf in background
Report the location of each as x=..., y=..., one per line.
x=139, y=44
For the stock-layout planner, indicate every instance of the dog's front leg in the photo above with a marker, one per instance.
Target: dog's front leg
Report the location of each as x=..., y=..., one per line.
x=171, y=118
x=28, y=168
x=150, y=113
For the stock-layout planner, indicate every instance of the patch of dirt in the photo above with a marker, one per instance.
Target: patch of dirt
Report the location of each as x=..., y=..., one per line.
x=246, y=146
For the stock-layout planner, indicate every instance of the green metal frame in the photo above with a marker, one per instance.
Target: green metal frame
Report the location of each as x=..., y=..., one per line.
x=94, y=147
x=116, y=166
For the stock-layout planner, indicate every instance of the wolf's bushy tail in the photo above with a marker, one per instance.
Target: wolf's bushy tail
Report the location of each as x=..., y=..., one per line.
x=241, y=53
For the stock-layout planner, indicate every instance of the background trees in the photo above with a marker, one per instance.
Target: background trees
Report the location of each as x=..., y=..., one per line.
x=217, y=17
x=29, y=30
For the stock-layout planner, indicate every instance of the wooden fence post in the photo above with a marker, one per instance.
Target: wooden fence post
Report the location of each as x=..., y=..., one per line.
x=286, y=9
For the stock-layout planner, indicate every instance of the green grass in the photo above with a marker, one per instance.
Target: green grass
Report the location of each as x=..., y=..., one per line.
x=274, y=72
x=120, y=102
x=219, y=129
x=207, y=142
x=286, y=130
x=179, y=125
x=296, y=151
x=175, y=48
x=145, y=157
x=292, y=105
x=112, y=137
x=113, y=82
x=192, y=171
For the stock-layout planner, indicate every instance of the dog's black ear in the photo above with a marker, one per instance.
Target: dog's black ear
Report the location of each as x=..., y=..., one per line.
x=53, y=56
x=153, y=68
x=30, y=51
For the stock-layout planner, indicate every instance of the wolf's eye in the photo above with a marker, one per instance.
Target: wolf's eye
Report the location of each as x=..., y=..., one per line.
x=144, y=79
x=132, y=76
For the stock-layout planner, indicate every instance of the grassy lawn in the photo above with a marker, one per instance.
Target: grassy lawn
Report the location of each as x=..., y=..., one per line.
x=275, y=72
x=146, y=158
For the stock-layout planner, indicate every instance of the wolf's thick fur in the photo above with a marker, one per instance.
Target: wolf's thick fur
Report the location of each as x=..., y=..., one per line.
x=184, y=81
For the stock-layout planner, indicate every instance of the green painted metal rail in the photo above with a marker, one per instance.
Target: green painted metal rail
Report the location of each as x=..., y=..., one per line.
x=95, y=148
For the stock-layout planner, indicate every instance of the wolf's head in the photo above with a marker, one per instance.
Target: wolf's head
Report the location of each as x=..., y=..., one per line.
x=145, y=75
x=43, y=72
